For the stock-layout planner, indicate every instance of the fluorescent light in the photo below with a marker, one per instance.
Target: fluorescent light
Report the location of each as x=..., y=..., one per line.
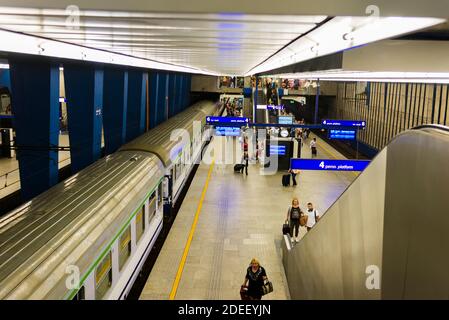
x=17, y=42
x=330, y=38
x=390, y=76
x=4, y=66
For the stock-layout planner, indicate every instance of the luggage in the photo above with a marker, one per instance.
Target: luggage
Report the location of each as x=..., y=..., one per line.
x=244, y=293
x=267, y=288
x=286, y=228
x=238, y=167
x=303, y=220
x=286, y=180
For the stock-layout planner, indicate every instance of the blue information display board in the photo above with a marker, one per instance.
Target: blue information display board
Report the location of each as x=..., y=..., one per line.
x=285, y=120
x=227, y=131
x=344, y=123
x=328, y=165
x=273, y=107
x=227, y=120
x=342, y=134
x=277, y=150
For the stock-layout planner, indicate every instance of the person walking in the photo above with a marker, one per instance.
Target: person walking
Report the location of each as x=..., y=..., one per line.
x=313, y=147
x=244, y=161
x=254, y=280
x=294, y=215
x=294, y=172
x=313, y=216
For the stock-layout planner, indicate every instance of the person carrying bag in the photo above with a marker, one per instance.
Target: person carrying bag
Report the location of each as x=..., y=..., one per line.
x=296, y=218
x=256, y=282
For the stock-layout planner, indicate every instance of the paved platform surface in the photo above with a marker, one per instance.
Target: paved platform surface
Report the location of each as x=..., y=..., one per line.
x=239, y=217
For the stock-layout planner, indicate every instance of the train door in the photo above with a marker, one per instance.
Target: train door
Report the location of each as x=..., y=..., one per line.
x=167, y=191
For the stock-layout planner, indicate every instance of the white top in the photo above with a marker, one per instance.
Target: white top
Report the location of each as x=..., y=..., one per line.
x=312, y=143
x=311, y=219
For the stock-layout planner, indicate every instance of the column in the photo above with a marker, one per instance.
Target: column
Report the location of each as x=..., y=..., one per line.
x=115, y=101
x=35, y=105
x=84, y=93
x=135, y=117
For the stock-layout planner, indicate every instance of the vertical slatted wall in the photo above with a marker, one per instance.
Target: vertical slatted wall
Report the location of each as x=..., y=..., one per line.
x=390, y=108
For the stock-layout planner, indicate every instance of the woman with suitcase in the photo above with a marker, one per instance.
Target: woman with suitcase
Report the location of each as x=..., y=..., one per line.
x=295, y=218
x=255, y=278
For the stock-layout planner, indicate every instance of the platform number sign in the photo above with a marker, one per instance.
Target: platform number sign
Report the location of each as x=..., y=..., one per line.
x=328, y=165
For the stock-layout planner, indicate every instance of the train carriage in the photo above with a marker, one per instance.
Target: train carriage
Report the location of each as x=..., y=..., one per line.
x=88, y=236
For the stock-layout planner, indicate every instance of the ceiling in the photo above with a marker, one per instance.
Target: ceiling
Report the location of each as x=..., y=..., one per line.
x=223, y=43
x=211, y=43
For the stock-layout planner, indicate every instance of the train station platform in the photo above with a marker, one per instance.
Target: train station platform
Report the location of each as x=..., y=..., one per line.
x=227, y=218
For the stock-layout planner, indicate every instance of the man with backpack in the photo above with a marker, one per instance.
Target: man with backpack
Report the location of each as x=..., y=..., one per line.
x=313, y=216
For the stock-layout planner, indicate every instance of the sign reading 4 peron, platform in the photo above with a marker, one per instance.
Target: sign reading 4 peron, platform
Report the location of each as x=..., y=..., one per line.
x=328, y=165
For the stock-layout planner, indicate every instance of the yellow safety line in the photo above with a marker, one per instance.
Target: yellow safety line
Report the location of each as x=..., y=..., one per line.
x=334, y=155
x=192, y=231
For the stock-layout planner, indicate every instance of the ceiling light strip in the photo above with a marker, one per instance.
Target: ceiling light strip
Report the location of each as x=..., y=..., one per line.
x=22, y=43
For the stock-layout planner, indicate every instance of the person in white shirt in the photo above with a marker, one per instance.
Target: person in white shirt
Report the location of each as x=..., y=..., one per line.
x=313, y=147
x=313, y=216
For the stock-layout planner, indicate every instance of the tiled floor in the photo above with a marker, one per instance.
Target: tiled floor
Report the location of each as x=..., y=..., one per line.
x=241, y=218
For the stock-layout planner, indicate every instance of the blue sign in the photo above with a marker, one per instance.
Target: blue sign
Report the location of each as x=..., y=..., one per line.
x=342, y=134
x=285, y=120
x=227, y=131
x=344, y=123
x=227, y=120
x=328, y=165
x=277, y=150
x=273, y=107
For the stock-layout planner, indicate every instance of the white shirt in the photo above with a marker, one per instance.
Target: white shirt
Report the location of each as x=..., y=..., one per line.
x=311, y=219
x=312, y=143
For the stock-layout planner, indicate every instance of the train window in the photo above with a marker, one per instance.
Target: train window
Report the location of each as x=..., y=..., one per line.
x=80, y=295
x=140, y=223
x=103, y=277
x=124, y=247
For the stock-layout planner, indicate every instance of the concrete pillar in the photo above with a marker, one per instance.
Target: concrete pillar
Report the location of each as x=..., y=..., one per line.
x=35, y=105
x=115, y=102
x=187, y=90
x=84, y=93
x=154, y=91
x=171, y=94
x=162, y=101
x=135, y=125
x=182, y=87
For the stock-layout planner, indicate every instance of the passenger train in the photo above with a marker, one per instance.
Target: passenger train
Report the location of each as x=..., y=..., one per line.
x=88, y=236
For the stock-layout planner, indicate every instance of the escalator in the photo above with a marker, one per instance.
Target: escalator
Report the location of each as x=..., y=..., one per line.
x=387, y=235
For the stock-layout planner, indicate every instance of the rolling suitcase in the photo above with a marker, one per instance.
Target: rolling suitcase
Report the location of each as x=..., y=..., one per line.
x=286, y=228
x=286, y=180
x=238, y=167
